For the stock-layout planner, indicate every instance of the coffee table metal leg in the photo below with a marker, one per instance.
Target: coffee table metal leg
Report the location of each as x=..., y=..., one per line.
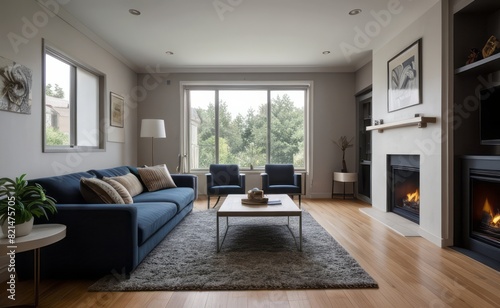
x=219, y=247
x=300, y=232
x=217, y=233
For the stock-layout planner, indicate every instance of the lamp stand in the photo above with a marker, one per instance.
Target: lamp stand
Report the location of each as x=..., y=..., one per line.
x=152, y=151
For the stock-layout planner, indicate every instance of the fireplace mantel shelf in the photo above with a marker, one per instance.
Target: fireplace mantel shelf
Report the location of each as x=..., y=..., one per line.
x=419, y=121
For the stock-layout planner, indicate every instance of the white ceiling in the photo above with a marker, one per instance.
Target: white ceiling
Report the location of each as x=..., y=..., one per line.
x=242, y=35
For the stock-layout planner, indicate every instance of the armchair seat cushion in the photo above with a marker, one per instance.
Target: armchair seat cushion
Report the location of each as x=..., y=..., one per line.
x=282, y=189
x=226, y=189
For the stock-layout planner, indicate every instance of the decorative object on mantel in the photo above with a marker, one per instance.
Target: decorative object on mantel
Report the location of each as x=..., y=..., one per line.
x=491, y=45
x=343, y=144
x=19, y=202
x=418, y=120
x=473, y=56
x=15, y=87
x=404, y=78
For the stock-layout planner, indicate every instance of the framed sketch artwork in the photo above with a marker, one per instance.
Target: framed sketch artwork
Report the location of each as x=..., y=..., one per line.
x=116, y=110
x=405, y=78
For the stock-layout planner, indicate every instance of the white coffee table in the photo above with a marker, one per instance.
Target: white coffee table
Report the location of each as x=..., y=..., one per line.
x=232, y=207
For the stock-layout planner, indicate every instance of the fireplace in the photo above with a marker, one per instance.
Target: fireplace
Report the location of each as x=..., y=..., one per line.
x=478, y=227
x=485, y=207
x=403, y=186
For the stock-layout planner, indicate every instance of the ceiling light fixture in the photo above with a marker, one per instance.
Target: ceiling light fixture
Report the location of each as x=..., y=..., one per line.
x=134, y=12
x=355, y=12
x=170, y=53
x=326, y=52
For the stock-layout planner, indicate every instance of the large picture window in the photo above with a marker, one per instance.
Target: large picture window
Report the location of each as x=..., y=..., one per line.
x=249, y=126
x=73, y=104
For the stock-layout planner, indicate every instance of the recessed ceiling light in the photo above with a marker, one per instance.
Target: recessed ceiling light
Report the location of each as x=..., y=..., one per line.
x=355, y=12
x=326, y=52
x=134, y=12
x=170, y=53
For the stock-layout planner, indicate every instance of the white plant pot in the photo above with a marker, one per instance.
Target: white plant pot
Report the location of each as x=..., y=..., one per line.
x=21, y=229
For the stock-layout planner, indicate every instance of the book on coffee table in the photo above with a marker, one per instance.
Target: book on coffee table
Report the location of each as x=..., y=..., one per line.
x=263, y=201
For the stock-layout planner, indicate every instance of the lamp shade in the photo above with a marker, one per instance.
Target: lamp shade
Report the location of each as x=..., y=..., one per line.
x=153, y=128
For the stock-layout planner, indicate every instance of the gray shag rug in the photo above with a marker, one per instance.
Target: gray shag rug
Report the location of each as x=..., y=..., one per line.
x=258, y=253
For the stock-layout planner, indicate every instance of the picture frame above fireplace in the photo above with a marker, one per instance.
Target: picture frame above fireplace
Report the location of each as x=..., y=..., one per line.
x=405, y=78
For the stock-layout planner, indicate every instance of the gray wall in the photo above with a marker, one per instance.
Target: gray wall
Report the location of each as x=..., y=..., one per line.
x=332, y=115
x=21, y=135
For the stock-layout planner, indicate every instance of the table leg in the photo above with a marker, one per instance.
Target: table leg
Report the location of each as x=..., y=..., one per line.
x=36, y=277
x=217, y=233
x=300, y=232
x=333, y=187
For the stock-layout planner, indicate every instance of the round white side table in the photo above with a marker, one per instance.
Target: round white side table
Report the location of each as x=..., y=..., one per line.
x=41, y=236
x=344, y=177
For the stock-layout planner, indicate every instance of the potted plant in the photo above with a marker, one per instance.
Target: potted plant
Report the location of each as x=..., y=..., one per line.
x=20, y=202
x=344, y=144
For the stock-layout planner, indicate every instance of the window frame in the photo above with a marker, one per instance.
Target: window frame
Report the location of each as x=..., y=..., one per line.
x=186, y=86
x=75, y=64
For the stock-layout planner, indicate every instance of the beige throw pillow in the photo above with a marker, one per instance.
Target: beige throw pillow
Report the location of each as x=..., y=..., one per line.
x=120, y=189
x=98, y=191
x=130, y=182
x=156, y=178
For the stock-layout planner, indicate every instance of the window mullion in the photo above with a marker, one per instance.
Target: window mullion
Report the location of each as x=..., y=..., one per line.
x=73, y=113
x=217, y=128
x=268, y=150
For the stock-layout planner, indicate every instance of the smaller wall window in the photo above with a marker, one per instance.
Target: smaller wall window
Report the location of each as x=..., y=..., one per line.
x=73, y=104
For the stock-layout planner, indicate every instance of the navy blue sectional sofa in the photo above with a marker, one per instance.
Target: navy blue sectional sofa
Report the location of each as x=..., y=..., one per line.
x=110, y=238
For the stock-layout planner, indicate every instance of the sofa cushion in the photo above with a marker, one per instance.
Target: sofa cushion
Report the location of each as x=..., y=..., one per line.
x=110, y=172
x=181, y=196
x=151, y=217
x=130, y=182
x=64, y=188
x=120, y=189
x=97, y=191
x=156, y=177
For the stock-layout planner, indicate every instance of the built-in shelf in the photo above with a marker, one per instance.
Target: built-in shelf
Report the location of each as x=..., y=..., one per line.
x=418, y=121
x=491, y=63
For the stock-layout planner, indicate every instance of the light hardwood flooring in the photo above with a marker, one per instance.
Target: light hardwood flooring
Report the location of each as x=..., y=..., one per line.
x=410, y=271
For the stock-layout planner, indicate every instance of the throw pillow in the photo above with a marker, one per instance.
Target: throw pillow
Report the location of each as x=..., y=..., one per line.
x=130, y=182
x=156, y=178
x=120, y=189
x=97, y=191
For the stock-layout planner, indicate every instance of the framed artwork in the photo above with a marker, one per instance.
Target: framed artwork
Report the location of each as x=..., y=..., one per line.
x=15, y=87
x=405, y=78
x=116, y=110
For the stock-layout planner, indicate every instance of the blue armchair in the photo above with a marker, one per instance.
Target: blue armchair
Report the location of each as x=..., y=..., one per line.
x=224, y=180
x=282, y=179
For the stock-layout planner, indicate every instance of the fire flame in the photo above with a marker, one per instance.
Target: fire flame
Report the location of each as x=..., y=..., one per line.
x=415, y=197
x=495, y=218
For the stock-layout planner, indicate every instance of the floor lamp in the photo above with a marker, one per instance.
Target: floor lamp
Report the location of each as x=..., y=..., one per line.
x=153, y=128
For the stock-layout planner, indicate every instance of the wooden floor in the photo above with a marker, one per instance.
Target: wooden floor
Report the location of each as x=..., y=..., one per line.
x=411, y=272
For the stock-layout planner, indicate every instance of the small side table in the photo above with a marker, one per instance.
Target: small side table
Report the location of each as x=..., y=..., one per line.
x=344, y=177
x=40, y=236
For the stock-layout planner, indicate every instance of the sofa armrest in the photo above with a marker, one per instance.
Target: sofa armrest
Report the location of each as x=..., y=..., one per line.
x=186, y=180
x=100, y=239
